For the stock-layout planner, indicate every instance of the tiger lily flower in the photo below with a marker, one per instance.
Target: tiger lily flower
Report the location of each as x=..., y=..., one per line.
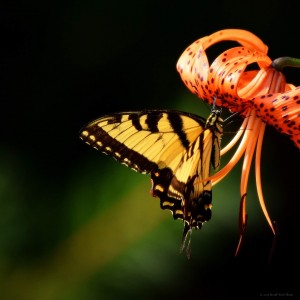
x=259, y=93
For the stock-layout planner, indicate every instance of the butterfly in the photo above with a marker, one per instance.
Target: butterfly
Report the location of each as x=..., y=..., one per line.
x=176, y=148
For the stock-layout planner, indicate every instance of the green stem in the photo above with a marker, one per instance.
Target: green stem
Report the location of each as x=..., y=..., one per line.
x=282, y=62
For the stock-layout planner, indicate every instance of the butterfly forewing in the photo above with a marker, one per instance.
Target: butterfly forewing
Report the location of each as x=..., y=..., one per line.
x=135, y=138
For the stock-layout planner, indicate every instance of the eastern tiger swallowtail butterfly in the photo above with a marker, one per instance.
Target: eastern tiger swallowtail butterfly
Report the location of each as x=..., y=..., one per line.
x=176, y=148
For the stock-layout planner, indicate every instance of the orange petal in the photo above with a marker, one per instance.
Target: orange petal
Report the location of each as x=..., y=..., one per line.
x=226, y=73
x=243, y=37
x=258, y=176
x=193, y=66
x=282, y=111
x=242, y=222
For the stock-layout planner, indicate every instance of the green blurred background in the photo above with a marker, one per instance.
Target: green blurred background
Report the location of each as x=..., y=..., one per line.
x=74, y=224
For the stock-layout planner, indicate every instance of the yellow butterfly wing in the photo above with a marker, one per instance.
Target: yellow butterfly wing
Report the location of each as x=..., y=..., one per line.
x=175, y=148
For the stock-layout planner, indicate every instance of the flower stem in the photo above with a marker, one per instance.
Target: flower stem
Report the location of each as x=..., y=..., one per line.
x=282, y=62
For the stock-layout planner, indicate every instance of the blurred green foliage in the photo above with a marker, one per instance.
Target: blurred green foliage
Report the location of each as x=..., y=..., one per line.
x=76, y=225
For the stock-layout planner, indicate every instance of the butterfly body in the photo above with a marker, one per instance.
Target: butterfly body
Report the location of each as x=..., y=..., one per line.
x=176, y=148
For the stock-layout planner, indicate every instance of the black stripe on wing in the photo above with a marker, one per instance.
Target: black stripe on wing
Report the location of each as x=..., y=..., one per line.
x=110, y=146
x=194, y=211
x=177, y=125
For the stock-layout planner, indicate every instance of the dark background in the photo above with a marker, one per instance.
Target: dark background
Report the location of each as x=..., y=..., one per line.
x=76, y=225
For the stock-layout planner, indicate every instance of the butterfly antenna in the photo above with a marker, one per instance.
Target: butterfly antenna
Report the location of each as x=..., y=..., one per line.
x=229, y=120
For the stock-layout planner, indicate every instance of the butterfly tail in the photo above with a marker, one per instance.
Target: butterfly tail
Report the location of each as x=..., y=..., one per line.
x=187, y=234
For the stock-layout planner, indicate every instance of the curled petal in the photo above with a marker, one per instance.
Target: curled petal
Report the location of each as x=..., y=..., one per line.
x=226, y=74
x=243, y=37
x=259, y=84
x=229, y=79
x=193, y=66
